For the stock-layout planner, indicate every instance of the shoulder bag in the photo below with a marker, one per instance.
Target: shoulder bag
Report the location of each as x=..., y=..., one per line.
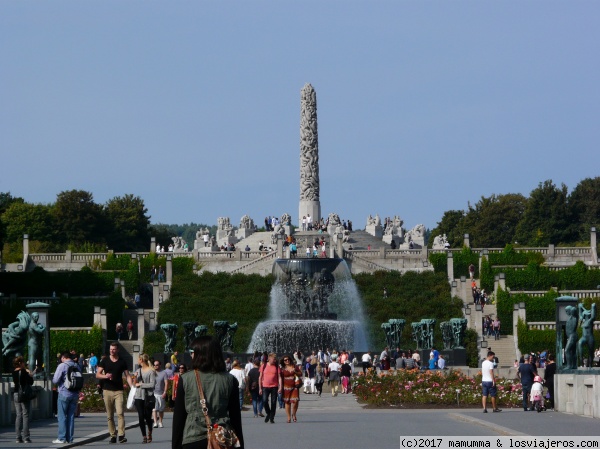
x=149, y=399
x=219, y=437
x=26, y=393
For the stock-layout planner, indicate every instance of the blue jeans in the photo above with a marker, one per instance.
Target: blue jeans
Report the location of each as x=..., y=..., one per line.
x=241, y=397
x=257, y=403
x=66, y=417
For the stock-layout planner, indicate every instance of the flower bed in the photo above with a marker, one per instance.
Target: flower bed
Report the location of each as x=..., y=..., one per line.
x=415, y=389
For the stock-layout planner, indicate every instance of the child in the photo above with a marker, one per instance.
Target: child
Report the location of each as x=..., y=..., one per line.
x=537, y=394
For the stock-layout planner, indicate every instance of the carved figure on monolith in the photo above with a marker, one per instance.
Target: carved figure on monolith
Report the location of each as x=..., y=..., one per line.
x=36, y=332
x=170, y=331
x=309, y=155
x=587, y=318
x=189, y=328
x=571, y=330
x=15, y=336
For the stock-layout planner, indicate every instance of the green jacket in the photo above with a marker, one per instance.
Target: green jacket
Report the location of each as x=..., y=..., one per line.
x=218, y=388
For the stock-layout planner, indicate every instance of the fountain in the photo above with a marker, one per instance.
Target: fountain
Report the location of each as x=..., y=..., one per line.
x=314, y=305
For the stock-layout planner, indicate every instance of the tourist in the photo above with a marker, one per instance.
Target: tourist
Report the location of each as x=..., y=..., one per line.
x=152, y=273
x=174, y=360
x=161, y=274
x=526, y=373
x=144, y=380
x=334, y=375
x=67, y=401
x=253, y=379
x=93, y=363
x=160, y=394
x=366, y=361
x=549, y=373
x=119, y=330
x=319, y=379
x=346, y=372
x=471, y=271
x=169, y=371
x=130, y=329
x=237, y=372
x=488, y=383
x=496, y=328
x=138, y=301
x=270, y=384
x=21, y=378
x=385, y=359
x=176, y=377
x=111, y=370
x=441, y=363
x=189, y=425
x=417, y=358
x=291, y=397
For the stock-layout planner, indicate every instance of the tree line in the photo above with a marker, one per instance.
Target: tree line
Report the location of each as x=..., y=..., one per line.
x=75, y=221
x=550, y=215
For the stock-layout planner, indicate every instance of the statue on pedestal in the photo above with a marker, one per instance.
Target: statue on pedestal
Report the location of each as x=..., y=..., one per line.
x=225, y=333
x=459, y=326
x=447, y=335
x=427, y=332
x=571, y=330
x=170, y=331
x=189, y=328
x=393, y=331
x=36, y=332
x=15, y=335
x=416, y=334
x=200, y=331
x=587, y=318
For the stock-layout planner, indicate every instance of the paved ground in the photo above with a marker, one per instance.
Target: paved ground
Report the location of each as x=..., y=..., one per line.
x=333, y=422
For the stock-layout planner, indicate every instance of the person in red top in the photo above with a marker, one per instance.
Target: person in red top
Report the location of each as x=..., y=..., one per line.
x=270, y=384
x=130, y=329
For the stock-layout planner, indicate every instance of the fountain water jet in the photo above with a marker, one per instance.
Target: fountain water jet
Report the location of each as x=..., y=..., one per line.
x=314, y=305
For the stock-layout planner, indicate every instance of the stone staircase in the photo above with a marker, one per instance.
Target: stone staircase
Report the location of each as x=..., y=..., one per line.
x=362, y=240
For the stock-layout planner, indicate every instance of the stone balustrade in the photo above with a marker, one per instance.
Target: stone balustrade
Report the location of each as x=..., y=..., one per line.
x=551, y=325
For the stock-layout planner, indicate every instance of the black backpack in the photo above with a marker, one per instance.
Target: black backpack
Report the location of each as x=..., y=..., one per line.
x=73, y=379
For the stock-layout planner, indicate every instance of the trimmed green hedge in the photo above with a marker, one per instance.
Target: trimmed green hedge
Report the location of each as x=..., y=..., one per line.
x=461, y=262
x=82, y=342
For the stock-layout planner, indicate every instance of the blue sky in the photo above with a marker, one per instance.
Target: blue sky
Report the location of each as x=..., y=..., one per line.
x=195, y=106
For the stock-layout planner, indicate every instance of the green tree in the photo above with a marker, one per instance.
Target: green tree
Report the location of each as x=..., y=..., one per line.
x=128, y=223
x=492, y=223
x=6, y=199
x=584, y=206
x=79, y=219
x=546, y=218
x=36, y=220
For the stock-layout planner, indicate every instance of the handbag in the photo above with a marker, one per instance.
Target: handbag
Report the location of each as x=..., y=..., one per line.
x=219, y=436
x=297, y=381
x=131, y=398
x=26, y=394
x=149, y=401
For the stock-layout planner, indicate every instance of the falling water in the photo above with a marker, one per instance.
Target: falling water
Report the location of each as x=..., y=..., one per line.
x=314, y=304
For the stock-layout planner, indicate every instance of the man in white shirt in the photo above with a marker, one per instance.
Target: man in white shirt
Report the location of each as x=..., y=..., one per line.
x=366, y=362
x=248, y=366
x=488, y=382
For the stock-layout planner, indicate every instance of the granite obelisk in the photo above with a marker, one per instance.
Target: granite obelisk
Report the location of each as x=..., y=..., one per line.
x=309, y=156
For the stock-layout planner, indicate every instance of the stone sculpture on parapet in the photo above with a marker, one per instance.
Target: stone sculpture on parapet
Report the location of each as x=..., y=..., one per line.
x=393, y=331
x=246, y=228
x=225, y=233
x=332, y=223
x=394, y=232
x=374, y=226
x=286, y=222
x=440, y=242
x=415, y=238
x=309, y=156
x=416, y=335
x=179, y=244
x=587, y=318
x=170, y=331
x=447, y=335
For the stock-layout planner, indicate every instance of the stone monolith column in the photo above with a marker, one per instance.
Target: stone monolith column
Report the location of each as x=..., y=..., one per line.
x=309, y=156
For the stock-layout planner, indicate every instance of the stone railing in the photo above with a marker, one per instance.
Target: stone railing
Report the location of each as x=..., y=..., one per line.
x=579, y=294
x=270, y=256
x=351, y=255
x=551, y=325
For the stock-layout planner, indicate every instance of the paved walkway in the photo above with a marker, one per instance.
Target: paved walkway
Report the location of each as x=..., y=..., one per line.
x=330, y=422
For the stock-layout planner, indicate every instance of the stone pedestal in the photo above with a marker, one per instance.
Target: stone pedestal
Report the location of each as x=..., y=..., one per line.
x=289, y=229
x=375, y=230
x=223, y=238
x=388, y=238
x=312, y=208
x=242, y=233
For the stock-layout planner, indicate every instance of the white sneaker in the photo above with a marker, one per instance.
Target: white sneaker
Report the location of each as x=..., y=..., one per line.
x=155, y=425
x=57, y=441
x=160, y=425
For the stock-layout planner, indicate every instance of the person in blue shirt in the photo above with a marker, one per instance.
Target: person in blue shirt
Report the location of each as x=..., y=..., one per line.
x=67, y=401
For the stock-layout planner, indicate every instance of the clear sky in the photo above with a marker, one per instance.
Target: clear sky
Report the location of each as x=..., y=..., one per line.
x=195, y=106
